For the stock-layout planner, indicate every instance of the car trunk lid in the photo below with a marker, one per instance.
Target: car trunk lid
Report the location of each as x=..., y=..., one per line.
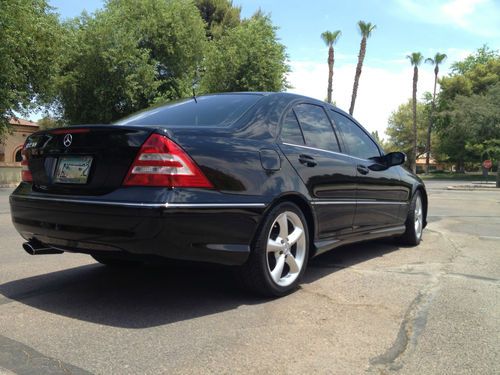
x=83, y=160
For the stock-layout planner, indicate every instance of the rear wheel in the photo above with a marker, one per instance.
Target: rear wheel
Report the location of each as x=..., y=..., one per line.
x=279, y=255
x=414, y=222
x=115, y=261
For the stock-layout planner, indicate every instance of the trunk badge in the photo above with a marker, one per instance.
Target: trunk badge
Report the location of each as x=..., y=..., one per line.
x=68, y=138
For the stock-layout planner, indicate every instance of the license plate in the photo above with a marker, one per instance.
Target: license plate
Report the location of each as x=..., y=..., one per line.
x=73, y=169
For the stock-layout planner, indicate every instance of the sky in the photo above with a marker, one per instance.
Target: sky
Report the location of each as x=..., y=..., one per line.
x=454, y=27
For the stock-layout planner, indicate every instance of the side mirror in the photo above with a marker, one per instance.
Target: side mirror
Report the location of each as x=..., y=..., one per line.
x=394, y=158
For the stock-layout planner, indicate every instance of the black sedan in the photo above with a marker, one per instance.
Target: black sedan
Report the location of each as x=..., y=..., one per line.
x=261, y=181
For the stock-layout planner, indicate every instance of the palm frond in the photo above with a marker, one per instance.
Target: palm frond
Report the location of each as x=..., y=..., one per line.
x=366, y=28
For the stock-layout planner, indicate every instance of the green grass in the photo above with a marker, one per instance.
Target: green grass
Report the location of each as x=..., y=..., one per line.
x=457, y=176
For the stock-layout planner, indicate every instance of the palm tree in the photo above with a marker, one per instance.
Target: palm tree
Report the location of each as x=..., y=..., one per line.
x=330, y=38
x=416, y=59
x=365, y=28
x=438, y=59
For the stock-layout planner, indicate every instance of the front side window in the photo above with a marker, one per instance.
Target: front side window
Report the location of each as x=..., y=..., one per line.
x=358, y=143
x=290, y=130
x=316, y=126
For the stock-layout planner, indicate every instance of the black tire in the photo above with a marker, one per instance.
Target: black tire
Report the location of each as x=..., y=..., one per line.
x=111, y=261
x=412, y=236
x=255, y=274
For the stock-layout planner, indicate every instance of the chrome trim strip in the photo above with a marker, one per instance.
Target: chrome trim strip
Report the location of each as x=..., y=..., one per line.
x=143, y=205
x=321, y=149
x=356, y=202
x=201, y=205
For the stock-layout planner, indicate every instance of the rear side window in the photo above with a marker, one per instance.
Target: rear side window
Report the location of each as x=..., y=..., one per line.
x=358, y=143
x=316, y=126
x=210, y=110
x=290, y=130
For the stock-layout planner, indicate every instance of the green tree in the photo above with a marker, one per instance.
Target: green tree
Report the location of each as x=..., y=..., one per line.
x=219, y=16
x=464, y=94
x=247, y=58
x=330, y=38
x=416, y=59
x=129, y=55
x=482, y=56
x=400, y=129
x=29, y=50
x=436, y=61
x=473, y=127
x=365, y=29
x=49, y=122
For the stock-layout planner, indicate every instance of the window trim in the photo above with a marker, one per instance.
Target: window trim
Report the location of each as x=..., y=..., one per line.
x=282, y=122
x=332, y=125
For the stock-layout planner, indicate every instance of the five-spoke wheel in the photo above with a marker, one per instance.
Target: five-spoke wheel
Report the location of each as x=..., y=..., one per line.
x=279, y=254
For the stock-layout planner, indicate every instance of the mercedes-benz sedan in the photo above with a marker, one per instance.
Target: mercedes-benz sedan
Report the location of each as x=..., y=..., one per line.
x=261, y=181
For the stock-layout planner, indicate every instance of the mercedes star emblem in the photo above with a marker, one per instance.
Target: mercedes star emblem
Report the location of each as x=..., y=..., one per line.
x=68, y=138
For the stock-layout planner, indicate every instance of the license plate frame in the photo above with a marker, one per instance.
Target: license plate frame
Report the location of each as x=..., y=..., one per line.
x=73, y=169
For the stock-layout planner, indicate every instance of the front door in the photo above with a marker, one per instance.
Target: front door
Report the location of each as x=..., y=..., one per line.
x=309, y=142
x=379, y=194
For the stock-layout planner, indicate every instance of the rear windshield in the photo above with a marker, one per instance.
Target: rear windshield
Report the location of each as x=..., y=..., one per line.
x=210, y=110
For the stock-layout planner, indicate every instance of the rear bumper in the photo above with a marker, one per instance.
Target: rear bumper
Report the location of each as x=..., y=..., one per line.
x=210, y=231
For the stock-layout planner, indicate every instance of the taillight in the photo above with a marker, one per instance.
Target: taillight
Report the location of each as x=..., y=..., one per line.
x=161, y=162
x=25, y=171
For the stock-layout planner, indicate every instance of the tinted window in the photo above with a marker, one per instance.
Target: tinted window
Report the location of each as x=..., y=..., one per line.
x=210, y=110
x=290, y=130
x=357, y=141
x=318, y=131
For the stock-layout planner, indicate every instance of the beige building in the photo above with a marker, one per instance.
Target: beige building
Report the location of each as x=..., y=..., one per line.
x=10, y=147
x=10, y=150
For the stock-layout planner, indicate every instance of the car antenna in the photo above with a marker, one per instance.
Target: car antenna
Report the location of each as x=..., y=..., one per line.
x=194, y=96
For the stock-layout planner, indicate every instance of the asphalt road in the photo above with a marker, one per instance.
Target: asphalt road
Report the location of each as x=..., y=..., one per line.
x=369, y=308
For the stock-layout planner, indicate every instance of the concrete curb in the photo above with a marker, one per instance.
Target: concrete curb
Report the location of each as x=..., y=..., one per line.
x=473, y=188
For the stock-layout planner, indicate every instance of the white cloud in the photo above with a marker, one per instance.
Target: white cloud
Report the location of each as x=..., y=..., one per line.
x=380, y=91
x=480, y=17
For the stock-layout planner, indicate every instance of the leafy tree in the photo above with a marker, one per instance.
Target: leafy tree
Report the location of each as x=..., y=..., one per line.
x=400, y=128
x=482, y=56
x=49, y=122
x=330, y=38
x=105, y=75
x=466, y=112
x=416, y=59
x=29, y=50
x=378, y=139
x=473, y=127
x=365, y=28
x=436, y=61
x=128, y=56
x=247, y=58
x=219, y=16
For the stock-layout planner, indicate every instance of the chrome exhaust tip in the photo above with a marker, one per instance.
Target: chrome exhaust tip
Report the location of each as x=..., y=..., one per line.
x=36, y=248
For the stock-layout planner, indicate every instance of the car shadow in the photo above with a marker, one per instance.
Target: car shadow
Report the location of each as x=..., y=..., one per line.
x=145, y=297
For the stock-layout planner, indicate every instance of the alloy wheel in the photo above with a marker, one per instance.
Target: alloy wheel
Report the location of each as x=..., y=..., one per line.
x=286, y=248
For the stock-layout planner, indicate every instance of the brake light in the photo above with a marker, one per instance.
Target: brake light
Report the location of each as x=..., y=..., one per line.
x=161, y=162
x=25, y=171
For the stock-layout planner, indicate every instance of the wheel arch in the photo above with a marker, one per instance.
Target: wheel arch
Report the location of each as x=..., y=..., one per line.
x=303, y=204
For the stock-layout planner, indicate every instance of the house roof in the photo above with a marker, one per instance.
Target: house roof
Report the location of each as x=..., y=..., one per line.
x=21, y=121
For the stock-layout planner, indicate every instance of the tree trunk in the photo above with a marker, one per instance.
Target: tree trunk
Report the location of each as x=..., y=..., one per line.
x=330, y=74
x=431, y=123
x=414, y=103
x=361, y=58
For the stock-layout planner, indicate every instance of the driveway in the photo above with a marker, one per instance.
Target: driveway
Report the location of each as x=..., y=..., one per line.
x=374, y=307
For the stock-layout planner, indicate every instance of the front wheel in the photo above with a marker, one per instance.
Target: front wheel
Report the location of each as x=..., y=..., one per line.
x=280, y=253
x=414, y=222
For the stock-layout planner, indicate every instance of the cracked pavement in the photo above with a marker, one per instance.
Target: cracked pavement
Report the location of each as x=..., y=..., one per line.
x=373, y=308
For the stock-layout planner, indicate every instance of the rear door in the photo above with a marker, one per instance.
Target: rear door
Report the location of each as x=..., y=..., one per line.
x=379, y=194
x=310, y=144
